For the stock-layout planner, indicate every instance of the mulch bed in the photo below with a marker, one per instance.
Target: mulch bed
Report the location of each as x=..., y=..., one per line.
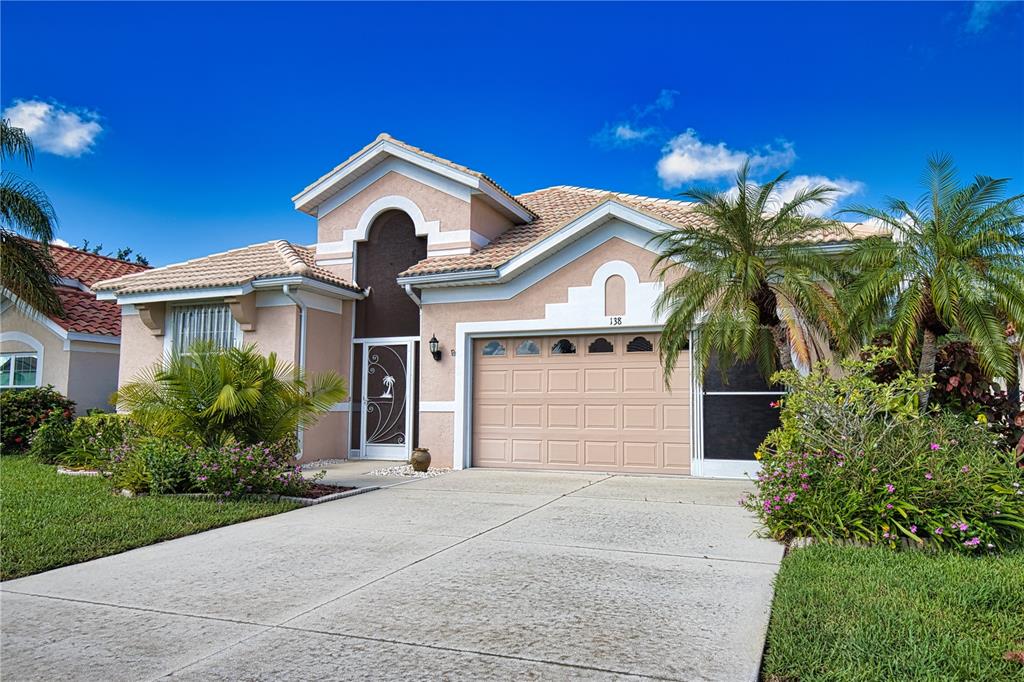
x=318, y=490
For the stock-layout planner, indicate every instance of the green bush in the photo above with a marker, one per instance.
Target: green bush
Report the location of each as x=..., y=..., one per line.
x=853, y=461
x=235, y=469
x=94, y=438
x=128, y=471
x=52, y=439
x=167, y=463
x=23, y=412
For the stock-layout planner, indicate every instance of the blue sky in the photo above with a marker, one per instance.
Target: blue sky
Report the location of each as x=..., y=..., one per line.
x=184, y=129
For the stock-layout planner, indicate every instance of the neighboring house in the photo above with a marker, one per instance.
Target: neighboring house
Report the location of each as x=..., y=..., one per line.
x=77, y=354
x=540, y=307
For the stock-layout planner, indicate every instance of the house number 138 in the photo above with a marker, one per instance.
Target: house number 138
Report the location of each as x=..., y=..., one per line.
x=614, y=321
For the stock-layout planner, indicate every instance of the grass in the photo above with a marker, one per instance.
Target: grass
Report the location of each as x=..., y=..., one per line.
x=49, y=520
x=846, y=613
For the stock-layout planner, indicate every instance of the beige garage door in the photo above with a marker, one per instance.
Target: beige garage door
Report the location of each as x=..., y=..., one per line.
x=579, y=402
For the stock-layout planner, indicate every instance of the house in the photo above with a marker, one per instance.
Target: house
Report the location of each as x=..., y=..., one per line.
x=77, y=354
x=492, y=329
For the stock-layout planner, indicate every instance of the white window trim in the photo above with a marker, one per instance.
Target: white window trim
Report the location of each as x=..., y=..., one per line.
x=37, y=348
x=22, y=354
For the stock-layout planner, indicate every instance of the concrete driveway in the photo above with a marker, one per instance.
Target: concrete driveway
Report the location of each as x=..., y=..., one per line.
x=474, y=575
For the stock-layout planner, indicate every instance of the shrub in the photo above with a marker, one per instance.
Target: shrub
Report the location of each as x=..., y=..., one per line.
x=220, y=395
x=95, y=437
x=24, y=411
x=234, y=469
x=128, y=471
x=52, y=439
x=963, y=386
x=167, y=463
x=853, y=461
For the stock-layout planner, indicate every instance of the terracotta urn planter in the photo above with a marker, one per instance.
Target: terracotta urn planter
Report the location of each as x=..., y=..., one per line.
x=420, y=459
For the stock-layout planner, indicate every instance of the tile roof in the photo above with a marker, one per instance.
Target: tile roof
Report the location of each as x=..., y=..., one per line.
x=82, y=312
x=421, y=152
x=557, y=206
x=231, y=268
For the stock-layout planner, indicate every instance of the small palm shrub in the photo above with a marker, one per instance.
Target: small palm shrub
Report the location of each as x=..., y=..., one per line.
x=234, y=469
x=52, y=439
x=216, y=396
x=853, y=461
x=23, y=412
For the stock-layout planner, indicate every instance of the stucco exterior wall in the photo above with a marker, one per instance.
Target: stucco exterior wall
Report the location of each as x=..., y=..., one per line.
x=437, y=378
x=486, y=221
x=140, y=350
x=55, y=359
x=451, y=212
x=277, y=331
x=328, y=349
x=92, y=378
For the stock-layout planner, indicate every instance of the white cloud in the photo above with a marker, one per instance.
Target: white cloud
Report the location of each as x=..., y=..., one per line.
x=636, y=128
x=788, y=189
x=60, y=242
x=982, y=12
x=687, y=159
x=55, y=128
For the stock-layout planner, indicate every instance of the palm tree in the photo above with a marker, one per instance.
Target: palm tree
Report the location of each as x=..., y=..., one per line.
x=745, y=280
x=26, y=269
x=214, y=394
x=955, y=262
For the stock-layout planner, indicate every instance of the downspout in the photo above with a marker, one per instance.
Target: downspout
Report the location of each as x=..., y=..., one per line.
x=286, y=290
x=413, y=296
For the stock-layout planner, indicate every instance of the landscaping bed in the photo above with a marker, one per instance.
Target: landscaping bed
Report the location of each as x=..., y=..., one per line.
x=850, y=613
x=52, y=520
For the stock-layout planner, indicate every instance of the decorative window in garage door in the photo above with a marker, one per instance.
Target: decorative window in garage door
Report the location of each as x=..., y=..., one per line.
x=528, y=347
x=563, y=347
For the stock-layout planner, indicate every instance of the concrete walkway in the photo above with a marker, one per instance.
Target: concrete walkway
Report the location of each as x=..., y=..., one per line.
x=475, y=575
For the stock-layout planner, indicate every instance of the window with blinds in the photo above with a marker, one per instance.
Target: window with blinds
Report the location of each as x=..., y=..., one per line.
x=205, y=322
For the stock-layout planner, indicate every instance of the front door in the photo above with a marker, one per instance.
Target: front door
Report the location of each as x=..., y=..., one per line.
x=387, y=400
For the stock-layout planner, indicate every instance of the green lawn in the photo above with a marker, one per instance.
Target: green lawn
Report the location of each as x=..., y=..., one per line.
x=49, y=520
x=844, y=613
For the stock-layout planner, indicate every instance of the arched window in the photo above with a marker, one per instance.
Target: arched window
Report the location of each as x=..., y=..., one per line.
x=639, y=344
x=527, y=347
x=493, y=348
x=563, y=347
x=601, y=345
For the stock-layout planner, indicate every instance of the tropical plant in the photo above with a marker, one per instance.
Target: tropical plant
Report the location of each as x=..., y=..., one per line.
x=233, y=470
x=212, y=395
x=955, y=261
x=23, y=411
x=52, y=439
x=742, y=276
x=27, y=224
x=853, y=460
x=94, y=437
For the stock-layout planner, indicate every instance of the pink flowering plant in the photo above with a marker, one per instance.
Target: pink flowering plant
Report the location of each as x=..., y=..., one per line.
x=234, y=470
x=881, y=474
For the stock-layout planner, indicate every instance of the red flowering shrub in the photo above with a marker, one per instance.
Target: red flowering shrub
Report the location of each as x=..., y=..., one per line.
x=23, y=411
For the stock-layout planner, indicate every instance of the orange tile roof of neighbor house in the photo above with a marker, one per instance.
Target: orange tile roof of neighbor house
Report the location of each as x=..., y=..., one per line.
x=83, y=313
x=237, y=267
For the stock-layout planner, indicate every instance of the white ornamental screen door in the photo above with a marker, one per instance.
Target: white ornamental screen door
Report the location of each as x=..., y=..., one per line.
x=387, y=400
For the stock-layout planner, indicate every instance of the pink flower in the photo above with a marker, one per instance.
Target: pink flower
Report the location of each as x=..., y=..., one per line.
x=885, y=534
x=962, y=527
x=790, y=497
x=964, y=469
x=928, y=475
x=805, y=486
x=938, y=531
x=890, y=487
x=973, y=542
x=913, y=529
x=935, y=446
x=888, y=506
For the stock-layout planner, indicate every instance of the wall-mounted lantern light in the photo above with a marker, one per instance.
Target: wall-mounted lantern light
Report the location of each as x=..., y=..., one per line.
x=435, y=348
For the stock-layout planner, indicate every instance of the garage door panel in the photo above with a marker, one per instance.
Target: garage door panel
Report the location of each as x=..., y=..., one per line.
x=563, y=416
x=588, y=410
x=527, y=380
x=639, y=379
x=640, y=455
x=527, y=451
x=563, y=380
x=600, y=453
x=527, y=416
x=639, y=417
x=600, y=416
x=601, y=379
